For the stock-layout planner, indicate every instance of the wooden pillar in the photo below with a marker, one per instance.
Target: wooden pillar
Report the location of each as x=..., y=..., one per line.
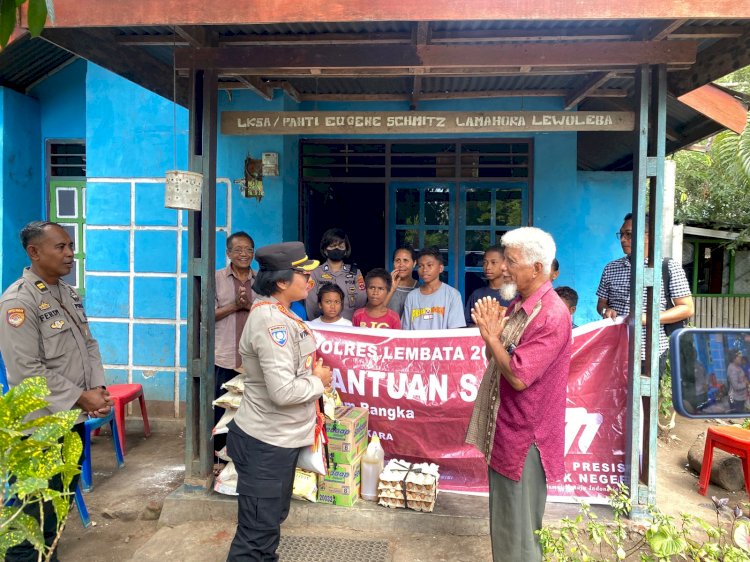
x=643, y=387
x=201, y=284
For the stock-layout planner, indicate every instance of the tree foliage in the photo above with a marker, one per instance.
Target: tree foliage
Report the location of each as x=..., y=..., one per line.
x=713, y=182
x=36, y=16
x=711, y=187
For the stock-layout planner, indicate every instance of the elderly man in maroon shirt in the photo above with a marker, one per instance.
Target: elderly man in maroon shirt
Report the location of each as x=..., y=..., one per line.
x=519, y=415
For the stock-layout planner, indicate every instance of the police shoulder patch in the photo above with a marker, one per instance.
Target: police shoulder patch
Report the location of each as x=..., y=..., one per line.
x=15, y=317
x=279, y=335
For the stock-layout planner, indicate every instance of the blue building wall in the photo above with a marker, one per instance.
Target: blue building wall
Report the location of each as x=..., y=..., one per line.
x=136, y=259
x=21, y=192
x=130, y=131
x=597, y=204
x=136, y=264
x=62, y=113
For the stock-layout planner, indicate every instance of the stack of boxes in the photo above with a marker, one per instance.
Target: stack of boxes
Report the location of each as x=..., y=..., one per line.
x=347, y=442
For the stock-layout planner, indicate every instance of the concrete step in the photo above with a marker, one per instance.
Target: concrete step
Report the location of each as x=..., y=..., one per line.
x=454, y=514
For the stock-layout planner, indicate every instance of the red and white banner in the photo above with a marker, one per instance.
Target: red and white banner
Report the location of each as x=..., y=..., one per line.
x=420, y=387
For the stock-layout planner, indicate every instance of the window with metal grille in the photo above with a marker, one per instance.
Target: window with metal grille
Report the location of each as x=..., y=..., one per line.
x=66, y=159
x=66, y=184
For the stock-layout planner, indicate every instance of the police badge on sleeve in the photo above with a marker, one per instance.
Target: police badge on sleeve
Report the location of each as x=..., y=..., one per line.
x=15, y=317
x=279, y=335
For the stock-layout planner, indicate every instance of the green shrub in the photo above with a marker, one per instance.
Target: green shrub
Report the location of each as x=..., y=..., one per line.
x=587, y=539
x=31, y=453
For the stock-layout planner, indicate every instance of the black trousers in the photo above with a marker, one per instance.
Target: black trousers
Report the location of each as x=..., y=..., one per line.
x=25, y=552
x=221, y=375
x=265, y=479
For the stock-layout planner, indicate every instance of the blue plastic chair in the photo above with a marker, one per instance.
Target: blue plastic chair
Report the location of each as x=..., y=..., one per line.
x=91, y=425
x=83, y=511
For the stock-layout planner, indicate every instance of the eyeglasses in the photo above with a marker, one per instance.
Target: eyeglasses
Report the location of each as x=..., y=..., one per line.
x=242, y=251
x=302, y=272
x=627, y=235
x=336, y=246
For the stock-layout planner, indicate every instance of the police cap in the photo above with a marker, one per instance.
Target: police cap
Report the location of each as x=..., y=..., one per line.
x=287, y=255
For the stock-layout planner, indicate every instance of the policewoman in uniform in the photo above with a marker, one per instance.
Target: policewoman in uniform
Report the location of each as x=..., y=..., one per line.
x=276, y=417
x=44, y=332
x=335, y=247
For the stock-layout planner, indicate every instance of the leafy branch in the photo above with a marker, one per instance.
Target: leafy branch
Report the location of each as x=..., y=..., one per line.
x=36, y=17
x=32, y=452
x=691, y=538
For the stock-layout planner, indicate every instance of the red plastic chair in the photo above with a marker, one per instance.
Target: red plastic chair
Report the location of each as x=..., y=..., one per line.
x=121, y=394
x=733, y=440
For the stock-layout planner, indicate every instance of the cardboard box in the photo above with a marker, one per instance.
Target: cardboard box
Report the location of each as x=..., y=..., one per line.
x=342, y=478
x=347, y=435
x=326, y=495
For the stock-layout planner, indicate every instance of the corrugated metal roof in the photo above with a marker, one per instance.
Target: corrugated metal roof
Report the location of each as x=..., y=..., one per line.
x=313, y=28
x=343, y=86
x=494, y=83
x=27, y=60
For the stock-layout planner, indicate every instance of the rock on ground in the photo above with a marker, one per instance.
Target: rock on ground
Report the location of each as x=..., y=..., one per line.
x=726, y=469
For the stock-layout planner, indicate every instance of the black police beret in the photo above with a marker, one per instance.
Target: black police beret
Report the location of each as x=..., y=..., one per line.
x=287, y=255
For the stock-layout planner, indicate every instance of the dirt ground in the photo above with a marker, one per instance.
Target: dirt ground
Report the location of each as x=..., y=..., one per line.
x=125, y=504
x=676, y=484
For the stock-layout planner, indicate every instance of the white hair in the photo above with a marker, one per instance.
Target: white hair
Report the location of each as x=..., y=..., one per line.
x=534, y=244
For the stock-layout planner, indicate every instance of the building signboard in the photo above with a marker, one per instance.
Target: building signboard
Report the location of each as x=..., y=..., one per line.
x=413, y=122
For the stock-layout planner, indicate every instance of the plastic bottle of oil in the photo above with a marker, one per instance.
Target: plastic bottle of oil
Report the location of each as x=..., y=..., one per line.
x=372, y=465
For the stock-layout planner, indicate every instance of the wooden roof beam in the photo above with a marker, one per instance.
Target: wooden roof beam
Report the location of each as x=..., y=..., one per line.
x=421, y=36
x=133, y=13
x=594, y=81
x=282, y=73
x=583, y=55
x=196, y=36
x=707, y=32
x=99, y=47
x=436, y=37
x=525, y=35
x=288, y=88
x=609, y=93
x=256, y=85
x=657, y=30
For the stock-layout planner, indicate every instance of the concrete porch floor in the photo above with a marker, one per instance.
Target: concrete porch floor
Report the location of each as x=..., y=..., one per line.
x=142, y=512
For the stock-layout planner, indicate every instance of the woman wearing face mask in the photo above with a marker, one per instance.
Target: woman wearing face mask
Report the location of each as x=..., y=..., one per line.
x=335, y=248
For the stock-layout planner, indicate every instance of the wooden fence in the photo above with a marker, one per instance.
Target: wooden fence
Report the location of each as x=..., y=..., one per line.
x=721, y=312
